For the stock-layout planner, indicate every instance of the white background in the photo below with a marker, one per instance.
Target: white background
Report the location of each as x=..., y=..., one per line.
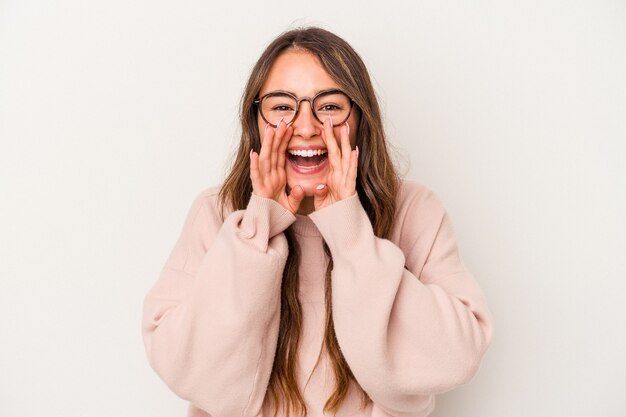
x=115, y=114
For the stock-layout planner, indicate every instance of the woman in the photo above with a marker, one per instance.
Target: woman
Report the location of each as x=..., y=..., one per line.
x=313, y=280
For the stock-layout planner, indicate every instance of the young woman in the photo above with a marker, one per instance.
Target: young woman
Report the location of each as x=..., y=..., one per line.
x=314, y=281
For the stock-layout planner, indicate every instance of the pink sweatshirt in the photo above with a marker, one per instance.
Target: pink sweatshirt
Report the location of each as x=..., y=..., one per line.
x=410, y=319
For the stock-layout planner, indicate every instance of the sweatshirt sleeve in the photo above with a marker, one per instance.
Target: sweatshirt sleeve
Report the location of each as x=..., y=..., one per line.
x=210, y=323
x=411, y=322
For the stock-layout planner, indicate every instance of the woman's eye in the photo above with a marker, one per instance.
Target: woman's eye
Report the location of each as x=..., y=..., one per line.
x=282, y=108
x=329, y=107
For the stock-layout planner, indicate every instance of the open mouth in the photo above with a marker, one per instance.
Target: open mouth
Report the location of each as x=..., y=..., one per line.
x=307, y=158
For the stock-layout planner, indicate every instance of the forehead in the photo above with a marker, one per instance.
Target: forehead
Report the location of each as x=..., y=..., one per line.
x=298, y=72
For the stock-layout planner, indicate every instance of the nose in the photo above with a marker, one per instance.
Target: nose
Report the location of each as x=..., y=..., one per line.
x=305, y=123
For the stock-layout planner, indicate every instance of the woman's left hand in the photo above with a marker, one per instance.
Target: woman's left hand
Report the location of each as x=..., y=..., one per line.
x=341, y=179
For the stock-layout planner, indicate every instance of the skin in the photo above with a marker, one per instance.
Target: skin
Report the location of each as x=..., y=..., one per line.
x=272, y=176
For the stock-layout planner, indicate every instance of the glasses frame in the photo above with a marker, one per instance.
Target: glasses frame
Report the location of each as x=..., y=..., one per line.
x=310, y=100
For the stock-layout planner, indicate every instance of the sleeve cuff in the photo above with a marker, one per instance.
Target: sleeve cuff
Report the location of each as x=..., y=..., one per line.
x=342, y=224
x=264, y=218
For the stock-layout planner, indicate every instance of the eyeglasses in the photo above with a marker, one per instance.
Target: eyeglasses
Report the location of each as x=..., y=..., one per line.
x=282, y=105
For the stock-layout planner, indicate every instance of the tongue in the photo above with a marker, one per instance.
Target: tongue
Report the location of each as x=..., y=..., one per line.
x=303, y=161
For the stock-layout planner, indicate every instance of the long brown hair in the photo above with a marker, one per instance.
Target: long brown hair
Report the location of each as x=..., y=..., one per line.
x=377, y=185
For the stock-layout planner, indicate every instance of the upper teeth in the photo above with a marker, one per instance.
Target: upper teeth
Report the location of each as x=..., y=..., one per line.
x=307, y=152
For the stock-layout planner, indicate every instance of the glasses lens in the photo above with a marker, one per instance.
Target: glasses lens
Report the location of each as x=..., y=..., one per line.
x=335, y=105
x=278, y=106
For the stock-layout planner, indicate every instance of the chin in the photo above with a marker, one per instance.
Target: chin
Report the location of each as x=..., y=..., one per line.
x=307, y=184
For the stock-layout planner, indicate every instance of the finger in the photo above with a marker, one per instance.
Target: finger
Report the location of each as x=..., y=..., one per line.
x=282, y=151
x=295, y=198
x=346, y=149
x=353, y=168
x=319, y=196
x=328, y=136
x=278, y=136
x=266, y=147
x=254, y=168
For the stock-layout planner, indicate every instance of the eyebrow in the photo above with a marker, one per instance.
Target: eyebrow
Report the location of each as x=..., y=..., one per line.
x=295, y=95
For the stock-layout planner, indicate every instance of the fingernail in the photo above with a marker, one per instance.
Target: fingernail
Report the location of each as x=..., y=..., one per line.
x=251, y=150
x=331, y=121
x=348, y=127
x=357, y=150
x=279, y=122
x=320, y=187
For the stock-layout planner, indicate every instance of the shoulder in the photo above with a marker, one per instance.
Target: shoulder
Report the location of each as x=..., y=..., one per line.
x=209, y=195
x=208, y=199
x=200, y=225
x=206, y=209
x=414, y=197
x=419, y=215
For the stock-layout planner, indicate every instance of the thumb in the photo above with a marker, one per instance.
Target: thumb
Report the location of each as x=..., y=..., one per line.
x=295, y=198
x=320, y=193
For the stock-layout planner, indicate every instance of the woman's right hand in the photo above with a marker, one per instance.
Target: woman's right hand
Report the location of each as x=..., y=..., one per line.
x=267, y=169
